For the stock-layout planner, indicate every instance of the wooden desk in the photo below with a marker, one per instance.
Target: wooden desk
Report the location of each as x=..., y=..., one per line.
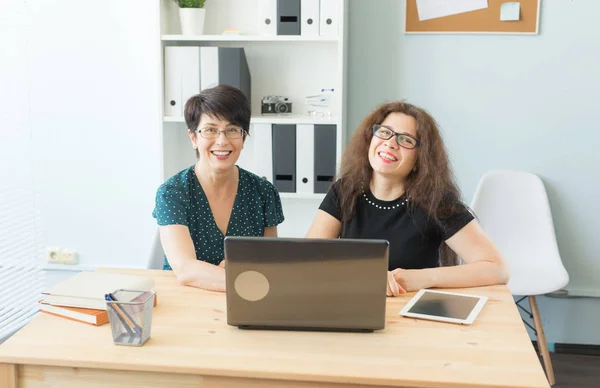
x=192, y=346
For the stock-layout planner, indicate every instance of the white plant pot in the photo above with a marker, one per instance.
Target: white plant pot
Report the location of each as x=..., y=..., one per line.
x=192, y=21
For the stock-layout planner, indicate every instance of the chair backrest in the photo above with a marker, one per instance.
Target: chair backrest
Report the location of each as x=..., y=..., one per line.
x=157, y=255
x=513, y=208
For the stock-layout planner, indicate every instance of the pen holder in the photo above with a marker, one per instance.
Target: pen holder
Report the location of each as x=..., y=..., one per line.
x=130, y=316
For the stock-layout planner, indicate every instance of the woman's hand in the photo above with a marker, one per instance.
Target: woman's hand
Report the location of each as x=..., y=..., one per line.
x=393, y=288
x=410, y=279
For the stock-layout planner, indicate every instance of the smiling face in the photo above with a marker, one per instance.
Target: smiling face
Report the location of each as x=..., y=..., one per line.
x=386, y=157
x=220, y=153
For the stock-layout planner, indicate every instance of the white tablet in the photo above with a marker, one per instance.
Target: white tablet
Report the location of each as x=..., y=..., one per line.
x=444, y=306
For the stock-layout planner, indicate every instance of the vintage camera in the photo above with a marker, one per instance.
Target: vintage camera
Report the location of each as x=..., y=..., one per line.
x=275, y=105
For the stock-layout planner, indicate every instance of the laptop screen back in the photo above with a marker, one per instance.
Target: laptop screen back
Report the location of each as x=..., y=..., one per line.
x=306, y=283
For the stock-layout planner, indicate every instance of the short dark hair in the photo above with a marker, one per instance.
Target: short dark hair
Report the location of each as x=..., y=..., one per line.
x=223, y=102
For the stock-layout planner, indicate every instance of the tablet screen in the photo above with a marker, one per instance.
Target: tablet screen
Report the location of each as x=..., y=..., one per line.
x=444, y=305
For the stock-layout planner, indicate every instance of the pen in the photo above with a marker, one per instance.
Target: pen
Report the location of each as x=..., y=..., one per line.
x=126, y=320
x=119, y=316
x=134, y=326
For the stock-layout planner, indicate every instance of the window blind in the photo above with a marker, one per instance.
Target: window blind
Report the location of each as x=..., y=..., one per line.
x=21, y=277
x=21, y=250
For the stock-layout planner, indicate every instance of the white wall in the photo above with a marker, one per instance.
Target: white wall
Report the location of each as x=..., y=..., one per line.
x=95, y=109
x=93, y=81
x=542, y=91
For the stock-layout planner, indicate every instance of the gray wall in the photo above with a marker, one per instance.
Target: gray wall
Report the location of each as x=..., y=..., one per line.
x=504, y=102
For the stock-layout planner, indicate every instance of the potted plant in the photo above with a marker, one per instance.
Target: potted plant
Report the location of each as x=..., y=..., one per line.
x=191, y=16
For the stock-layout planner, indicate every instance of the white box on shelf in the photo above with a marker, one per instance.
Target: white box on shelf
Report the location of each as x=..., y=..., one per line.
x=262, y=148
x=305, y=158
x=309, y=14
x=328, y=25
x=267, y=17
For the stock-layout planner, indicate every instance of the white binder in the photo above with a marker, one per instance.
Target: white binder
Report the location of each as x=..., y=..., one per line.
x=209, y=63
x=190, y=74
x=246, y=159
x=172, y=76
x=309, y=14
x=330, y=10
x=305, y=158
x=267, y=17
x=182, y=78
x=262, y=148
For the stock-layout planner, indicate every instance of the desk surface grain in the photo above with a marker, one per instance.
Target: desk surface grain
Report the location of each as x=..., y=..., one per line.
x=190, y=335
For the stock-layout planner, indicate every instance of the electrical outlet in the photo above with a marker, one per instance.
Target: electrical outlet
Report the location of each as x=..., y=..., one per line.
x=55, y=255
x=66, y=256
x=52, y=255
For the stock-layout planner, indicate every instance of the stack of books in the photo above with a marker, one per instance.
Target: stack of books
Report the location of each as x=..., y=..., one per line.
x=81, y=297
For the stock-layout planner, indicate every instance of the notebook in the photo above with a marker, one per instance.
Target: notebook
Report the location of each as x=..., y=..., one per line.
x=87, y=289
x=91, y=316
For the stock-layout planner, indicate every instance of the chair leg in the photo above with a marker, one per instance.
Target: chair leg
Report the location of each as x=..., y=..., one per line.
x=542, y=345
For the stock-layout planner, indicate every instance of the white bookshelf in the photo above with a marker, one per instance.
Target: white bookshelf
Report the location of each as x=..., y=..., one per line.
x=292, y=119
x=247, y=38
x=299, y=196
x=292, y=66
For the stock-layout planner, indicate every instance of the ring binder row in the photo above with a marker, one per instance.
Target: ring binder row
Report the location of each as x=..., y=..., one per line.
x=298, y=17
x=189, y=70
x=296, y=158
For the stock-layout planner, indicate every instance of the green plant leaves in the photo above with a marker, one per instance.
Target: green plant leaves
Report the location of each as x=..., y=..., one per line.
x=190, y=3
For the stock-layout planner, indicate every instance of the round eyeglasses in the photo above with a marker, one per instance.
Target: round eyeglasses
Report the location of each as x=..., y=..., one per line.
x=213, y=133
x=404, y=140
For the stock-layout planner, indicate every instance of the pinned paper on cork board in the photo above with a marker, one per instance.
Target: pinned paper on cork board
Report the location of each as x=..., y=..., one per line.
x=472, y=17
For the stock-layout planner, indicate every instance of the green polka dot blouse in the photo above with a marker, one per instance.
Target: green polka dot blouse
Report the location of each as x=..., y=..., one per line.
x=181, y=201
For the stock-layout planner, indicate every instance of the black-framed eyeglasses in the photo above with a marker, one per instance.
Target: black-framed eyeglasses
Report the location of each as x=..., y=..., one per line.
x=213, y=133
x=403, y=139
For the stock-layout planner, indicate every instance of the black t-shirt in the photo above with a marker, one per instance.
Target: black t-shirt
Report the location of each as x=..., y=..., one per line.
x=414, y=237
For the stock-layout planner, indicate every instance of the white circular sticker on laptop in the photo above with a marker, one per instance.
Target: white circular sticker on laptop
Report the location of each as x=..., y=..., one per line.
x=251, y=285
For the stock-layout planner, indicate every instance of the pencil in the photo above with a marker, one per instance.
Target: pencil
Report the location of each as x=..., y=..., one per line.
x=128, y=322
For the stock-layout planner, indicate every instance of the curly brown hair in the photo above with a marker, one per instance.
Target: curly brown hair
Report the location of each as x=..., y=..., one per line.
x=430, y=185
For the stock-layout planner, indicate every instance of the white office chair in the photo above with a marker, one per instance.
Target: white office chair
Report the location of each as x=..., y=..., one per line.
x=513, y=208
x=157, y=255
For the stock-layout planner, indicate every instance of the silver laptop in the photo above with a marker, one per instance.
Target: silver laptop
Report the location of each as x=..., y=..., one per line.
x=310, y=284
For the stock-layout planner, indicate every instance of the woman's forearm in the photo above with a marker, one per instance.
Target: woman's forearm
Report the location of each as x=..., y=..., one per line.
x=203, y=275
x=181, y=254
x=467, y=275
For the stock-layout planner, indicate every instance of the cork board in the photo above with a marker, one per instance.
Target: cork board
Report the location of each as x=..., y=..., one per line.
x=480, y=21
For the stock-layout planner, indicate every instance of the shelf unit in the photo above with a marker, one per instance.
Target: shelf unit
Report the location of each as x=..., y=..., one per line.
x=299, y=196
x=247, y=38
x=292, y=66
x=292, y=119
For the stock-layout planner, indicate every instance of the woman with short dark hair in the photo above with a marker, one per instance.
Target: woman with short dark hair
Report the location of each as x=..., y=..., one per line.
x=197, y=207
